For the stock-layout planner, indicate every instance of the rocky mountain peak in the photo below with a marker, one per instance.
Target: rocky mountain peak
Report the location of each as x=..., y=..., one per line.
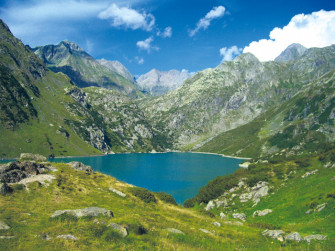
x=70, y=45
x=247, y=57
x=293, y=51
x=4, y=26
x=119, y=68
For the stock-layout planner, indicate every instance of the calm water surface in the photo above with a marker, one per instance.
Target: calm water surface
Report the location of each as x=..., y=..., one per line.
x=179, y=174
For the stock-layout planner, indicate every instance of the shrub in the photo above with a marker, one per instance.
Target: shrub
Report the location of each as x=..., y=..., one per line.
x=190, y=202
x=143, y=194
x=168, y=198
x=331, y=195
x=302, y=163
x=17, y=187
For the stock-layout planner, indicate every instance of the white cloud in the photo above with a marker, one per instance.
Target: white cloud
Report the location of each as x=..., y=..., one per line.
x=229, y=54
x=205, y=22
x=147, y=44
x=139, y=60
x=123, y=17
x=166, y=33
x=311, y=30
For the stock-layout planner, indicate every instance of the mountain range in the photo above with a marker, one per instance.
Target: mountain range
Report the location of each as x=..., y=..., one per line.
x=242, y=107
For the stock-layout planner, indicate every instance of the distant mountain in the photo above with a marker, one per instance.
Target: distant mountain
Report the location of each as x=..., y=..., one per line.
x=119, y=68
x=158, y=82
x=83, y=69
x=290, y=53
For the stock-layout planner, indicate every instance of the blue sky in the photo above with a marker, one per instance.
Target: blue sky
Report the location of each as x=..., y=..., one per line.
x=172, y=34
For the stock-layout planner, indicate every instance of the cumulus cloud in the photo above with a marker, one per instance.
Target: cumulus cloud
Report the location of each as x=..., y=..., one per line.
x=311, y=30
x=205, y=22
x=139, y=60
x=147, y=44
x=229, y=54
x=124, y=17
x=166, y=33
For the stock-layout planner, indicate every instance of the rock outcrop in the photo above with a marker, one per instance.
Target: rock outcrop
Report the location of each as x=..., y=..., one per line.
x=32, y=157
x=85, y=212
x=261, y=213
x=317, y=237
x=16, y=171
x=3, y=226
x=117, y=192
x=175, y=231
x=240, y=216
x=293, y=237
x=81, y=167
x=274, y=234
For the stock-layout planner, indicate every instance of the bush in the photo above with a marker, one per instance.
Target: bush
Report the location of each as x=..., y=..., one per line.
x=17, y=187
x=137, y=229
x=331, y=195
x=168, y=198
x=190, y=202
x=302, y=163
x=143, y=194
x=253, y=180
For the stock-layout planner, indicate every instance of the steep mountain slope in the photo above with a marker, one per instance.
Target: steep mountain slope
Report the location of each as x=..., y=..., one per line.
x=305, y=123
x=232, y=94
x=84, y=70
x=158, y=82
x=42, y=111
x=292, y=52
x=119, y=68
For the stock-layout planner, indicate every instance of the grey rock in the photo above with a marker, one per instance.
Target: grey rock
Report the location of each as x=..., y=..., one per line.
x=117, y=192
x=4, y=226
x=66, y=237
x=293, y=237
x=206, y=231
x=31, y=156
x=290, y=53
x=46, y=237
x=274, y=234
x=7, y=237
x=317, y=237
x=175, y=231
x=210, y=205
x=4, y=188
x=261, y=213
x=90, y=211
x=240, y=216
x=122, y=230
x=320, y=207
x=81, y=167
x=217, y=224
x=223, y=215
x=258, y=191
x=16, y=171
x=309, y=173
x=309, y=211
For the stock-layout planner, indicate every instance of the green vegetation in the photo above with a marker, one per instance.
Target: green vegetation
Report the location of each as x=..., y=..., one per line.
x=143, y=194
x=166, y=198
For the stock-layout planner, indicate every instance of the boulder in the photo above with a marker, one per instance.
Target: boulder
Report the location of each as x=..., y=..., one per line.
x=90, y=211
x=16, y=171
x=206, y=231
x=223, y=215
x=217, y=224
x=4, y=188
x=4, y=226
x=258, y=191
x=261, y=213
x=293, y=237
x=274, y=234
x=320, y=207
x=81, y=167
x=66, y=237
x=174, y=230
x=309, y=173
x=33, y=157
x=122, y=230
x=240, y=216
x=117, y=192
x=210, y=205
x=317, y=237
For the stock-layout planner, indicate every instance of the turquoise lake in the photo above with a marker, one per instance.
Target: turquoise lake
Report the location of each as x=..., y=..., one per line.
x=179, y=174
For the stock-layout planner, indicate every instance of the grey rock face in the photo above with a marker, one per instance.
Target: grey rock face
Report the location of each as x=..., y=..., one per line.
x=81, y=167
x=309, y=173
x=122, y=230
x=217, y=224
x=16, y=171
x=175, y=231
x=90, y=211
x=31, y=156
x=119, y=68
x=206, y=231
x=291, y=52
x=3, y=226
x=293, y=237
x=257, y=192
x=158, y=82
x=317, y=237
x=320, y=207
